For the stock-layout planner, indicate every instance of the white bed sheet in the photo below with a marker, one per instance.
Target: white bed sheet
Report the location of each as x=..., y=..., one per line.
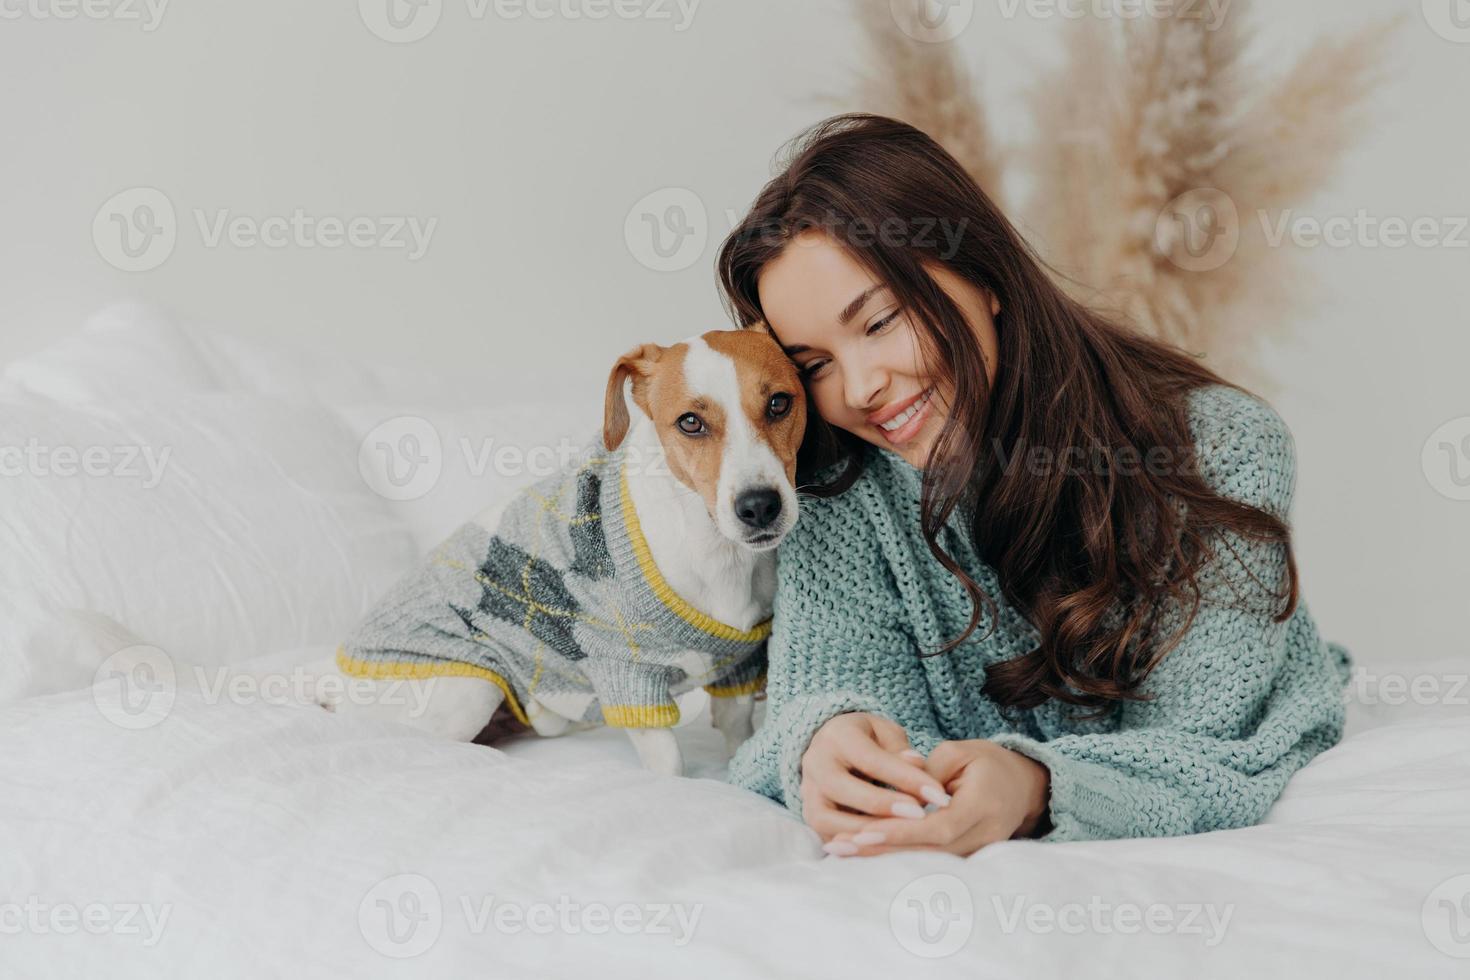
x=271, y=834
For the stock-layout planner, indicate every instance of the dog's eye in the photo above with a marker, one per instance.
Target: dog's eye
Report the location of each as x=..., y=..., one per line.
x=690, y=424
x=779, y=405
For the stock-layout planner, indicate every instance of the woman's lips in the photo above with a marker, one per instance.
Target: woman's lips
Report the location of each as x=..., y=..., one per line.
x=910, y=428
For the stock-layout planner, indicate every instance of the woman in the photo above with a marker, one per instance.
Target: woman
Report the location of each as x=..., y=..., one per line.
x=1043, y=579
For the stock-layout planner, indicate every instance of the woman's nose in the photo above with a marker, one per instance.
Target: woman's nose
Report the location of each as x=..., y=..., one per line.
x=864, y=385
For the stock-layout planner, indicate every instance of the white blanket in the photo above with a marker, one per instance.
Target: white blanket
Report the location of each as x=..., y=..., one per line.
x=237, y=837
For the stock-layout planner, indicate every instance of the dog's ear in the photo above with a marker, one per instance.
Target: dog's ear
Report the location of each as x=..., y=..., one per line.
x=638, y=364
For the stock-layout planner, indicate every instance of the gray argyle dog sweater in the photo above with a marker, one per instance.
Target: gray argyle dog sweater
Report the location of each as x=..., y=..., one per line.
x=562, y=608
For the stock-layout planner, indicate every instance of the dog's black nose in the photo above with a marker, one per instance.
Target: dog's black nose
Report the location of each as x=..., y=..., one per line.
x=758, y=508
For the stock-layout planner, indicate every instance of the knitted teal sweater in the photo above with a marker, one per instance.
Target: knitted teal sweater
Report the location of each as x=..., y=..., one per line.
x=1238, y=706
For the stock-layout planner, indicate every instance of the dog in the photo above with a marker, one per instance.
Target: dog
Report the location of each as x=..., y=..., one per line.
x=643, y=569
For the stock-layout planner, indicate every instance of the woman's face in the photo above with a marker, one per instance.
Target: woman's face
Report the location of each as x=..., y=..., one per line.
x=858, y=352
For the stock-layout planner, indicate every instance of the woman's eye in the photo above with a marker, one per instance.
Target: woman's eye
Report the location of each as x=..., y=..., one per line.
x=882, y=323
x=690, y=424
x=779, y=405
x=811, y=369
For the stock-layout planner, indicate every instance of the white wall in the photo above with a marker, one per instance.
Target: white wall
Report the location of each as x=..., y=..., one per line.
x=529, y=142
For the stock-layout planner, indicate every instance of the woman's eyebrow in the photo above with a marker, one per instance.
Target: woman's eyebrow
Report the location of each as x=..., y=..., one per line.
x=856, y=305
x=851, y=310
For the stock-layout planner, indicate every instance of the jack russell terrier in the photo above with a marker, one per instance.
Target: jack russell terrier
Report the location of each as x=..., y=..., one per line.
x=644, y=569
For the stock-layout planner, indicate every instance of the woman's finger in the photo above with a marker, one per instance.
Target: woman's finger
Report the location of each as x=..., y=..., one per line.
x=844, y=845
x=824, y=817
x=891, y=736
x=881, y=836
x=869, y=799
x=947, y=760
x=879, y=764
x=861, y=844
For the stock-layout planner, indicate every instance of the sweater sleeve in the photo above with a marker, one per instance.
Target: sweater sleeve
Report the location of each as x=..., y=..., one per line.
x=1238, y=706
x=747, y=676
x=819, y=664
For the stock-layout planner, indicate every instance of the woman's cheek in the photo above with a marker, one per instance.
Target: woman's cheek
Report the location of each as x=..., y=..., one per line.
x=829, y=401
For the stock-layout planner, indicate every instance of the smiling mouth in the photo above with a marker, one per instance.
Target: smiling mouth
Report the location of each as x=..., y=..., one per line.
x=905, y=424
x=763, y=538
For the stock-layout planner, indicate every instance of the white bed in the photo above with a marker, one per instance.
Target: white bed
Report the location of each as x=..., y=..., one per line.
x=196, y=833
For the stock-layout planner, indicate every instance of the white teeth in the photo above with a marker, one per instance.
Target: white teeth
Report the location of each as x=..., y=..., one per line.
x=896, y=423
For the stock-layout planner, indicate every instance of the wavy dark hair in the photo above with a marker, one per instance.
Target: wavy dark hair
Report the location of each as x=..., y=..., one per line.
x=1089, y=555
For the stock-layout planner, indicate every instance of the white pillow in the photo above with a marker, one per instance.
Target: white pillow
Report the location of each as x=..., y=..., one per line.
x=131, y=350
x=46, y=648
x=218, y=526
x=123, y=351
x=437, y=468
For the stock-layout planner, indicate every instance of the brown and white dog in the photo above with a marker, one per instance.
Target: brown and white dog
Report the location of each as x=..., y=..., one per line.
x=712, y=516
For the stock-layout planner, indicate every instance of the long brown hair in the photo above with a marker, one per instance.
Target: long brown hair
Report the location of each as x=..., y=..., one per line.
x=1089, y=555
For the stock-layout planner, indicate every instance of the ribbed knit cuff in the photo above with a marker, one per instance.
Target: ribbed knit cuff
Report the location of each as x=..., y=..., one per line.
x=1080, y=801
x=633, y=695
x=745, y=677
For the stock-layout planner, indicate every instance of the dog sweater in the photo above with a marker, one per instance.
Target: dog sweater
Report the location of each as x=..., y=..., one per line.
x=562, y=608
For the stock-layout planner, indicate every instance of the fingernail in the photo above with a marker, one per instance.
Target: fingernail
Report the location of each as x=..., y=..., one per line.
x=841, y=848
x=912, y=754
x=869, y=837
x=936, y=796
x=904, y=808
